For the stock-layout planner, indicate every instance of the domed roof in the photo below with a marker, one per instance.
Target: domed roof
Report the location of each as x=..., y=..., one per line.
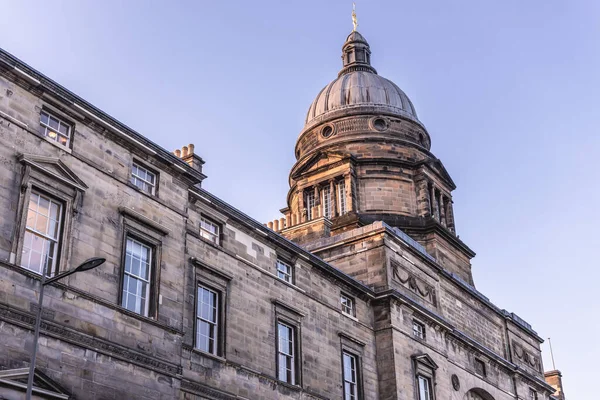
x=359, y=88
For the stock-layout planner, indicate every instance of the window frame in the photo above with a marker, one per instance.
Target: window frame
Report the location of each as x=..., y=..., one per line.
x=309, y=197
x=60, y=231
x=135, y=163
x=218, y=324
x=429, y=388
x=341, y=197
x=352, y=303
x=480, y=362
x=533, y=394
x=295, y=357
x=61, y=121
x=326, y=201
x=289, y=274
x=147, y=235
x=357, y=376
x=150, y=281
x=217, y=236
x=419, y=334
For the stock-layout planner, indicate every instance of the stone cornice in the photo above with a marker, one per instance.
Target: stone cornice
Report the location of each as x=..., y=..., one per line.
x=37, y=81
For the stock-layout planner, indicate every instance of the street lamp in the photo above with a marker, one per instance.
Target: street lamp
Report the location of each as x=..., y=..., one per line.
x=85, y=266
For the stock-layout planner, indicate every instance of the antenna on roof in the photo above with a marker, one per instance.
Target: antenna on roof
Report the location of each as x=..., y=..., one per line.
x=551, y=354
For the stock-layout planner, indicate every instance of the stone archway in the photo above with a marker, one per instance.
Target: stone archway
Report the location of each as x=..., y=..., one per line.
x=478, y=394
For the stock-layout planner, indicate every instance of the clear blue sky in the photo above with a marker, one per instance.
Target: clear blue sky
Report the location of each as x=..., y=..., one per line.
x=509, y=91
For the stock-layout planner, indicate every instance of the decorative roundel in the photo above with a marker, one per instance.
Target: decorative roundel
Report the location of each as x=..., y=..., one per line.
x=327, y=131
x=380, y=124
x=455, y=382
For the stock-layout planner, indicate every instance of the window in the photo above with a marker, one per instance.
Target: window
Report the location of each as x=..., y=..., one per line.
x=309, y=203
x=350, y=372
x=284, y=271
x=480, y=367
x=424, y=388
x=532, y=394
x=425, y=368
x=209, y=230
x=327, y=205
x=54, y=128
x=136, y=279
x=42, y=234
x=341, y=187
x=286, y=353
x=347, y=305
x=418, y=330
x=207, y=320
x=143, y=178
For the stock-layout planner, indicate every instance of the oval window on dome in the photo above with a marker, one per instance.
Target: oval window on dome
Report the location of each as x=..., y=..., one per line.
x=327, y=131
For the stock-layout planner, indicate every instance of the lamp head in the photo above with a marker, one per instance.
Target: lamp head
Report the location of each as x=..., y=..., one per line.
x=90, y=264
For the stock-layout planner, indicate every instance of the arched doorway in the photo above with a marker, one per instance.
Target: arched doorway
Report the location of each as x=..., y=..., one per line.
x=478, y=394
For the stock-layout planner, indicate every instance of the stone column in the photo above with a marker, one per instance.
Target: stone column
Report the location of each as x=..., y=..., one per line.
x=332, y=199
x=442, y=210
x=301, y=207
x=433, y=202
x=348, y=184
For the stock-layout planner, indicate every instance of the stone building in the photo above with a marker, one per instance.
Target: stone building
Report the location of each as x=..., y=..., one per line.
x=362, y=290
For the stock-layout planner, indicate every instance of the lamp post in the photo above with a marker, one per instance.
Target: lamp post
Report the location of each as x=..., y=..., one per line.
x=85, y=266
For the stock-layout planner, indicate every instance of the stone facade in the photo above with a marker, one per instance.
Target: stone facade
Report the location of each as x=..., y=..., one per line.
x=115, y=190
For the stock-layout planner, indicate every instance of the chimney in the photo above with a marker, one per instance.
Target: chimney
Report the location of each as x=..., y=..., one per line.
x=554, y=379
x=186, y=153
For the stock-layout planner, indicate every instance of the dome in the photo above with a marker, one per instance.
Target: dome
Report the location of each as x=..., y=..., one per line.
x=358, y=88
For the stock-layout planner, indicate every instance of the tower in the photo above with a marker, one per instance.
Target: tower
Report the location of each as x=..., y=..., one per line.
x=364, y=156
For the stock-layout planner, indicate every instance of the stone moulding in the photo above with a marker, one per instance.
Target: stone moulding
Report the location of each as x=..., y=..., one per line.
x=62, y=333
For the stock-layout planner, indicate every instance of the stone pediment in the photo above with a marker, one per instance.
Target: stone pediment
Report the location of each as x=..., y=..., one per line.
x=438, y=168
x=425, y=360
x=319, y=160
x=13, y=382
x=54, y=168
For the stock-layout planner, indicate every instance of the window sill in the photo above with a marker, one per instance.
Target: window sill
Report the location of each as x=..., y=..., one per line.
x=352, y=317
x=287, y=283
x=207, y=355
x=289, y=385
x=55, y=143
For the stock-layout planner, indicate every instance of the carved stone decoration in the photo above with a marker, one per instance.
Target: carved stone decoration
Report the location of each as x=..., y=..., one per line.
x=455, y=382
x=408, y=280
x=526, y=357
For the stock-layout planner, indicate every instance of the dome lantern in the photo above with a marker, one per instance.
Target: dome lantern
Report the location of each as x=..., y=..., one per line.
x=356, y=54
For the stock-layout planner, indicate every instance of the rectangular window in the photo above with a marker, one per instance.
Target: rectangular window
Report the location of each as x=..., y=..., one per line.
x=209, y=230
x=327, y=205
x=286, y=353
x=136, y=279
x=284, y=271
x=533, y=394
x=424, y=388
x=480, y=367
x=347, y=305
x=341, y=187
x=350, y=376
x=207, y=320
x=309, y=203
x=42, y=234
x=143, y=178
x=54, y=128
x=418, y=330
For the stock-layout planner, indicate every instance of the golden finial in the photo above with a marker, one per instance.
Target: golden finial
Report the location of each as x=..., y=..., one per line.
x=354, y=20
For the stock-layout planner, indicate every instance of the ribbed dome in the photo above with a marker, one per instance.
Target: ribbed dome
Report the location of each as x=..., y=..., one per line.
x=359, y=87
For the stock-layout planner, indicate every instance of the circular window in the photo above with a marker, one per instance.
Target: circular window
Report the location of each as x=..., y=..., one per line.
x=380, y=124
x=327, y=131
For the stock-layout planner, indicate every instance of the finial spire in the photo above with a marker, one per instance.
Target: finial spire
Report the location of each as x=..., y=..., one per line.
x=354, y=19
